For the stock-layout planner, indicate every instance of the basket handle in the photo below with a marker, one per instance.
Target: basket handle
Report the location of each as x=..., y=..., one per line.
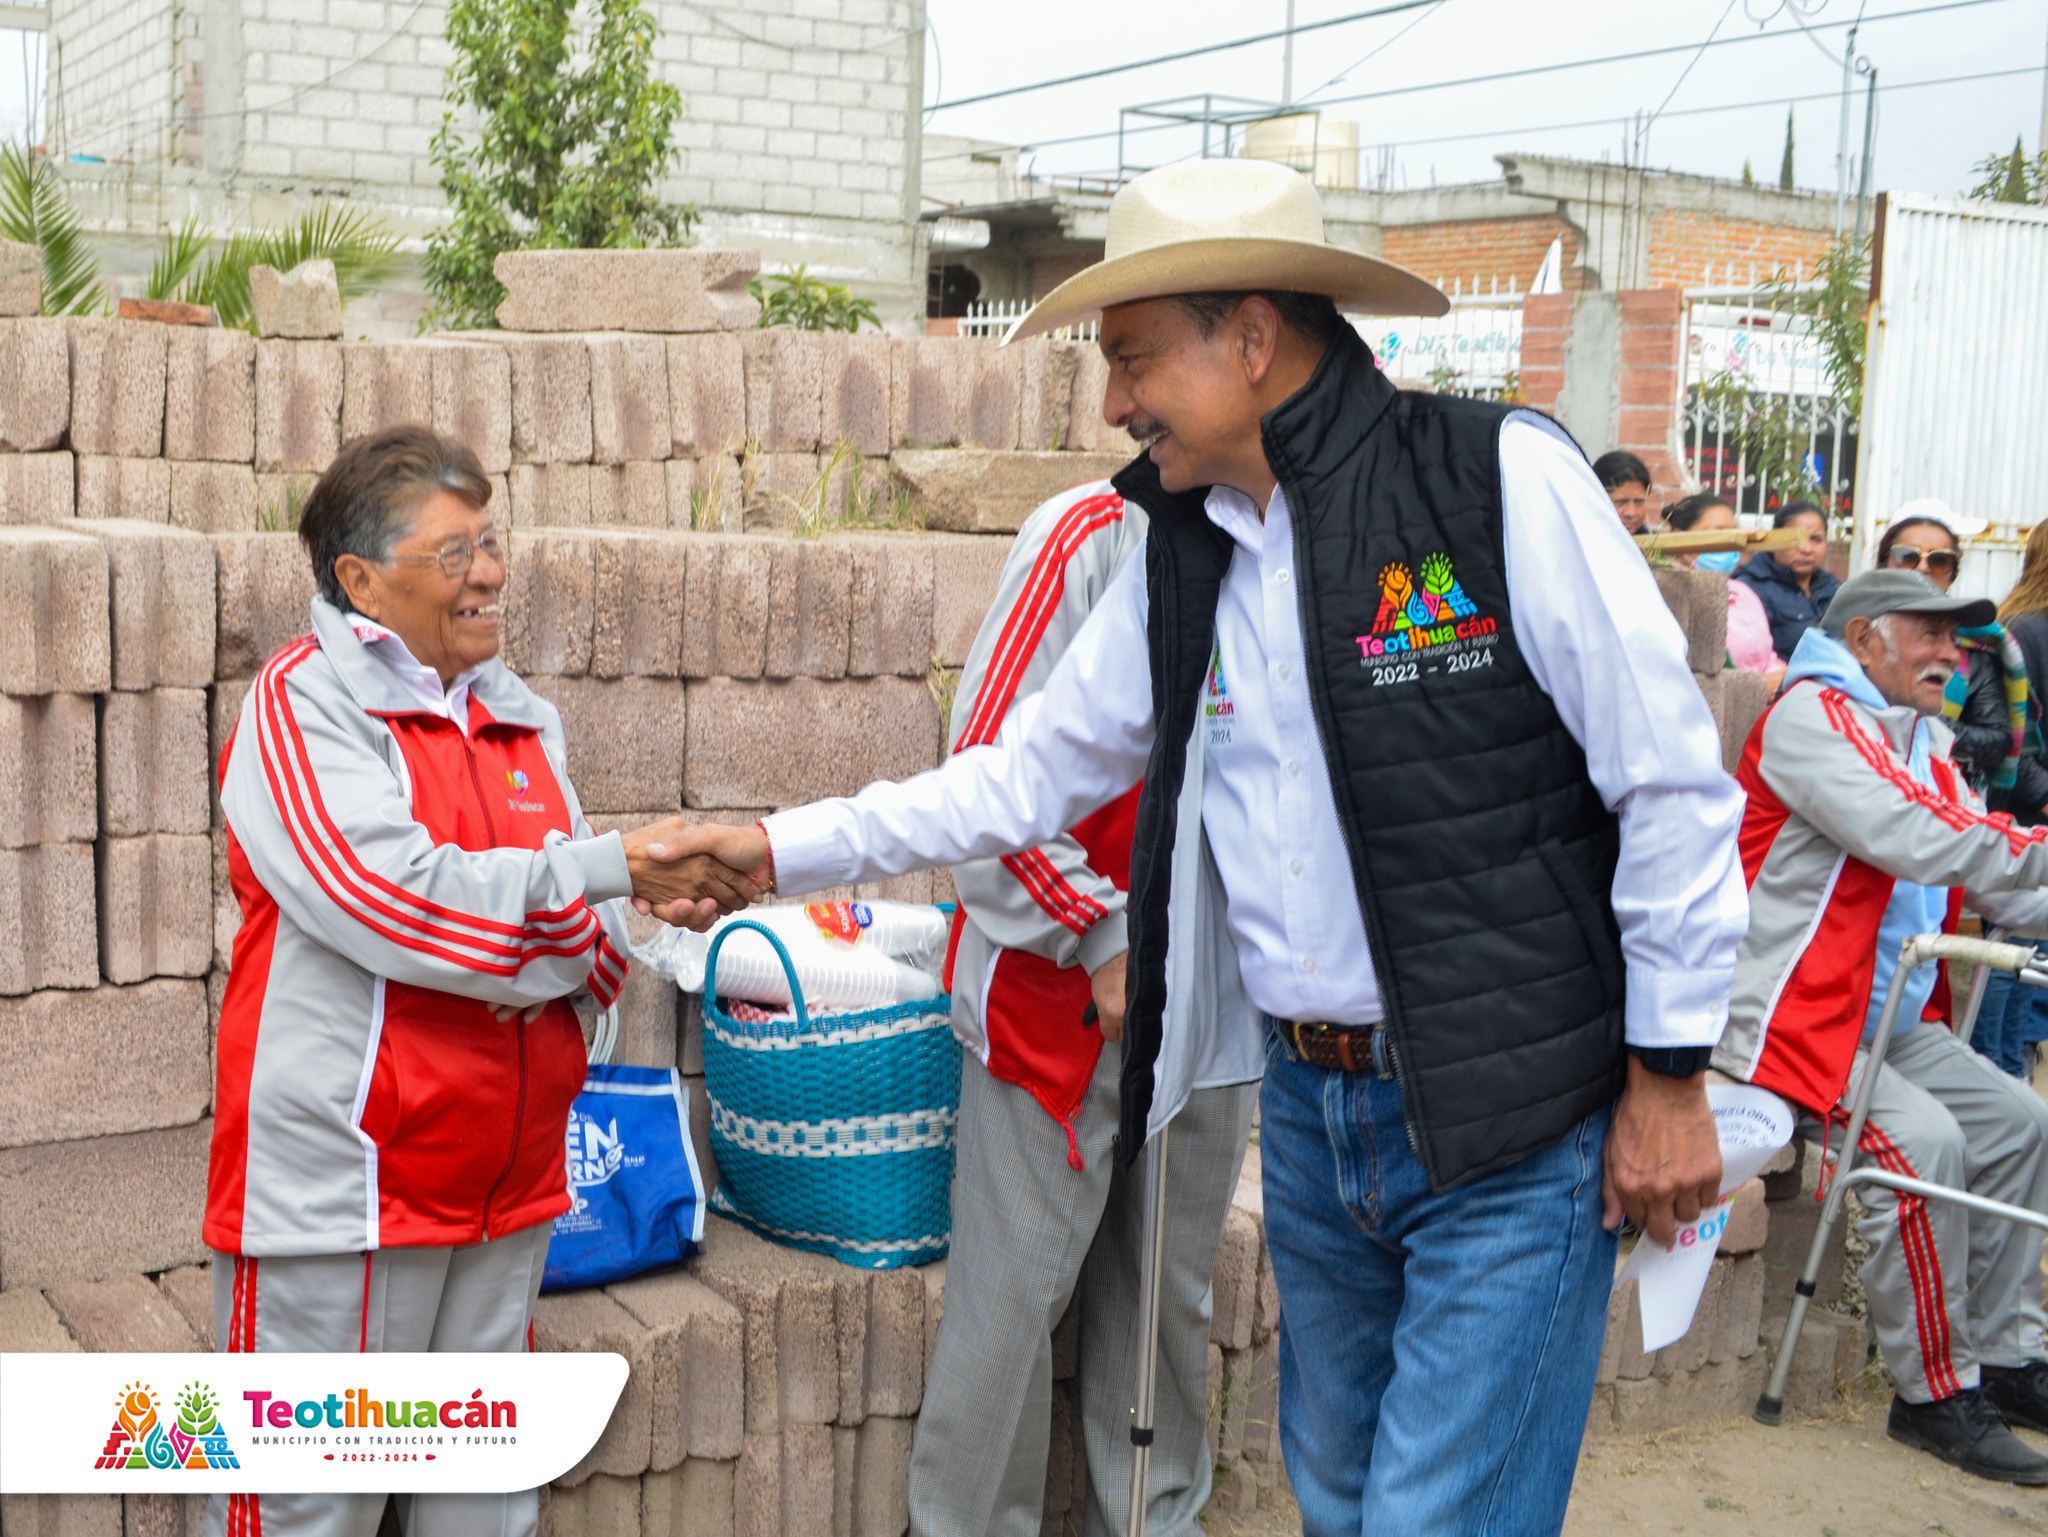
x=796, y=992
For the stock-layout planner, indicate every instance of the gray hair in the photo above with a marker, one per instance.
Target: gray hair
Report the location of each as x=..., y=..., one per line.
x=364, y=503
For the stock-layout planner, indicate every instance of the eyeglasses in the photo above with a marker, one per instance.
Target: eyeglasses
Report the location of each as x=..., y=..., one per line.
x=1906, y=558
x=459, y=554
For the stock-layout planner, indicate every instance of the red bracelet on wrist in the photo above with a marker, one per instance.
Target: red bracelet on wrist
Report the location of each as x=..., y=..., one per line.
x=770, y=866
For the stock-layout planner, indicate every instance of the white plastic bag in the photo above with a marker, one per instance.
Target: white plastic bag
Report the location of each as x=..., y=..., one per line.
x=894, y=956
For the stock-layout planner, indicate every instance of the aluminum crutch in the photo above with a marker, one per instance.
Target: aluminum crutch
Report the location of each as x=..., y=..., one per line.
x=1152, y=1267
x=1988, y=955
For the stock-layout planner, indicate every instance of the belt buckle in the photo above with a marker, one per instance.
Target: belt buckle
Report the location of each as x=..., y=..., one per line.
x=1297, y=1032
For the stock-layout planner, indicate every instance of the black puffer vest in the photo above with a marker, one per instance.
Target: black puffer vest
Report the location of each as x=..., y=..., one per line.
x=1482, y=854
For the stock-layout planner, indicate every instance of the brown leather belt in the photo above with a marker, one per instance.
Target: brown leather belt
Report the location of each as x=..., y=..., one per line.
x=1339, y=1048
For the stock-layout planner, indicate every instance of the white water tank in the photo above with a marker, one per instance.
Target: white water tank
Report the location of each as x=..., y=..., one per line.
x=1326, y=151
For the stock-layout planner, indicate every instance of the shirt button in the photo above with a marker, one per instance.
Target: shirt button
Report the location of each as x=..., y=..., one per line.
x=1294, y=766
x=1280, y=575
x=1308, y=963
x=1294, y=867
x=1286, y=671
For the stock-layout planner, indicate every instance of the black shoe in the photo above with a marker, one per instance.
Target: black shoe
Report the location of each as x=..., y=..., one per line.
x=1966, y=1430
x=2021, y=1395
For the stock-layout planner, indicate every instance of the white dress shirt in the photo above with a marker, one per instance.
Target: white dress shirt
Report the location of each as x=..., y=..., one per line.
x=450, y=702
x=1597, y=637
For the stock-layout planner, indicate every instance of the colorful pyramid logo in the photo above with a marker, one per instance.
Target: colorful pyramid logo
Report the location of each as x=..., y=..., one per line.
x=1406, y=605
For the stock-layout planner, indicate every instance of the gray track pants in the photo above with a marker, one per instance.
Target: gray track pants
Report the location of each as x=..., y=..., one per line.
x=1027, y=1230
x=475, y=1298
x=1949, y=1289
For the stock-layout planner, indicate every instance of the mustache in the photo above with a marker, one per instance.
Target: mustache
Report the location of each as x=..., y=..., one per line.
x=1146, y=429
x=1937, y=674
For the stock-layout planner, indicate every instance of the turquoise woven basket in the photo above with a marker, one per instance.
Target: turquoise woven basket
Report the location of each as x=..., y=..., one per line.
x=834, y=1133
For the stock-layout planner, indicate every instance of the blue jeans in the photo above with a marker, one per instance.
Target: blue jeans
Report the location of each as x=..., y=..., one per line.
x=2001, y=1030
x=1437, y=1352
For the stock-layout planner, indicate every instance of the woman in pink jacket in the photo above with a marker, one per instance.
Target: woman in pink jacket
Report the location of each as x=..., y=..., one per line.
x=1749, y=628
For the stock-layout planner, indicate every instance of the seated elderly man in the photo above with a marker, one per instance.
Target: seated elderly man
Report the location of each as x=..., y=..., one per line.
x=424, y=914
x=1858, y=824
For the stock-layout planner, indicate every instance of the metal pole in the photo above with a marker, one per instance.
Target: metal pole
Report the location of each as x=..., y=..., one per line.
x=1842, y=136
x=1770, y=1408
x=1869, y=143
x=1152, y=1262
x=1287, y=64
x=1913, y=954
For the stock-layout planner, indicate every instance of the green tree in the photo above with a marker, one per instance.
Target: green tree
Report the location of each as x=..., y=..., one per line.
x=2012, y=178
x=804, y=303
x=571, y=139
x=1785, y=181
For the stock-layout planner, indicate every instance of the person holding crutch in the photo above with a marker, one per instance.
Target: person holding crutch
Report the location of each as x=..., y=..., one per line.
x=1425, y=774
x=1041, y=1213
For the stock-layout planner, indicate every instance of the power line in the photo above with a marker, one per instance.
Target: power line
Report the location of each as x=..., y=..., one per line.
x=1591, y=122
x=1408, y=5
x=1643, y=53
x=1185, y=53
x=1364, y=58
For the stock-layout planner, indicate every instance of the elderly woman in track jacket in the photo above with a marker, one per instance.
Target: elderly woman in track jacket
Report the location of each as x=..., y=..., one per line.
x=1858, y=825
x=425, y=913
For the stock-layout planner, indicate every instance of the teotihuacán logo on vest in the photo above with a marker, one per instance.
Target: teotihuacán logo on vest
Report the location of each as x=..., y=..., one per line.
x=1425, y=625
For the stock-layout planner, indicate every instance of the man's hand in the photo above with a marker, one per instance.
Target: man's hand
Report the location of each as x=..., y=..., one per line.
x=739, y=854
x=1663, y=1154
x=676, y=876
x=505, y=1013
x=1106, y=982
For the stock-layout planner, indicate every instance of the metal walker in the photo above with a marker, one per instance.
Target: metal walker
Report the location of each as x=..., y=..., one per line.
x=1987, y=956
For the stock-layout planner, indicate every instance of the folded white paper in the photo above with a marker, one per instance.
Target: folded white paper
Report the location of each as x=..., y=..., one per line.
x=1753, y=1124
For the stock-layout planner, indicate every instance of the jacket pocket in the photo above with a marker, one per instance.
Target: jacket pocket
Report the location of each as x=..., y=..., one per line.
x=1595, y=924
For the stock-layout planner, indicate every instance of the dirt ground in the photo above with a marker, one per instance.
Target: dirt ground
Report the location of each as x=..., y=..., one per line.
x=1818, y=1478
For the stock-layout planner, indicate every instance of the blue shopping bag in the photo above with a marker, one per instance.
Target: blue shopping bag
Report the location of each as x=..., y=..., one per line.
x=637, y=1196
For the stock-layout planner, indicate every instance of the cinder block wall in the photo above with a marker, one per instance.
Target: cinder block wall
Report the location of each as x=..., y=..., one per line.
x=683, y=588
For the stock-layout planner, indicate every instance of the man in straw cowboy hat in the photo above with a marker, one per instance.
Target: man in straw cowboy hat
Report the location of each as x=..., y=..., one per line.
x=1461, y=850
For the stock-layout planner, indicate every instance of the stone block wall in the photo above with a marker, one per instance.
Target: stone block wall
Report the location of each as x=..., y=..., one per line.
x=687, y=589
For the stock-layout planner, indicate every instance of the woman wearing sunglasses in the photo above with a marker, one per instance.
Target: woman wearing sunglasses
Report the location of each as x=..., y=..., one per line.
x=1997, y=734
x=1987, y=702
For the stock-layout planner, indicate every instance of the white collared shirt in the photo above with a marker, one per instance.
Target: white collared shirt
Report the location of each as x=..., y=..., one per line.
x=1598, y=639
x=421, y=681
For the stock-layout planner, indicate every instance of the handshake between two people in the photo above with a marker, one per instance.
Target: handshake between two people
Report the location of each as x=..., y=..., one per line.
x=691, y=876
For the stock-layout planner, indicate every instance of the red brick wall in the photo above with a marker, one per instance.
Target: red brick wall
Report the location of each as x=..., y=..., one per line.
x=1651, y=372
x=1480, y=251
x=1684, y=244
x=1652, y=362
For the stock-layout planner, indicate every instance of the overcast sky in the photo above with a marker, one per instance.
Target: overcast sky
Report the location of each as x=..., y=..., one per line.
x=1927, y=138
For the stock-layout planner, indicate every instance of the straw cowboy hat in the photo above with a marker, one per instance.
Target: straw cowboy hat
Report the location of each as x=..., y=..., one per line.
x=1209, y=226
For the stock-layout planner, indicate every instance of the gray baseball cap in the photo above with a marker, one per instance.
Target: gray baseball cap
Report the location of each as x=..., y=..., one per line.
x=1873, y=594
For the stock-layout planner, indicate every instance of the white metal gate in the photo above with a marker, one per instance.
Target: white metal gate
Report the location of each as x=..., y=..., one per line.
x=1955, y=389
x=1761, y=426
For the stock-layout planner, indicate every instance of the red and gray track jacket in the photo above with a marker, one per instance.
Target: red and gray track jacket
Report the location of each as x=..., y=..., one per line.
x=1835, y=818
x=1032, y=926
x=396, y=875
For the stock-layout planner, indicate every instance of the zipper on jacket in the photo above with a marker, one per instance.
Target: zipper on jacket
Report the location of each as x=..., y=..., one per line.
x=1368, y=906
x=476, y=781
x=518, y=1125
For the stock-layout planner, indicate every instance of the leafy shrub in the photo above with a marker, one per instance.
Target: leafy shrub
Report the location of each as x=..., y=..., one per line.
x=569, y=147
